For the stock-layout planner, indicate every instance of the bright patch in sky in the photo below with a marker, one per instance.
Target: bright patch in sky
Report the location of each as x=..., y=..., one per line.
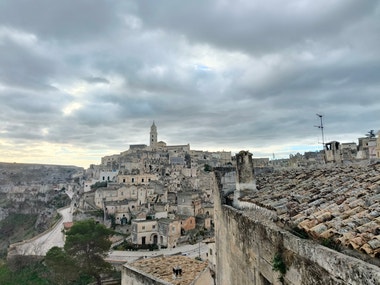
x=69, y=109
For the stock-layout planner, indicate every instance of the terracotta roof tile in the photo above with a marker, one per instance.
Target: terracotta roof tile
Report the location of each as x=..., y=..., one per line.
x=162, y=268
x=341, y=202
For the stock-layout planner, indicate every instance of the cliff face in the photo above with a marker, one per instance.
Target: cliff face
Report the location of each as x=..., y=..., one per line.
x=30, y=194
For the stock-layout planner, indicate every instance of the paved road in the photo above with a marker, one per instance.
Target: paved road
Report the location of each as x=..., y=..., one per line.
x=193, y=251
x=42, y=244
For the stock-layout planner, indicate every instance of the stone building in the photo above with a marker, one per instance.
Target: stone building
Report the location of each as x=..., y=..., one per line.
x=144, y=232
x=169, y=270
x=188, y=203
x=187, y=222
x=287, y=232
x=163, y=232
x=366, y=147
x=136, y=179
x=169, y=231
x=349, y=151
x=153, y=136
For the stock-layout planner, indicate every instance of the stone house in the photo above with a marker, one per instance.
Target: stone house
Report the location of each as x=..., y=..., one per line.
x=187, y=222
x=349, y=151
x=168, y=270
x=164, y=232
x=136, y=179
x=188, y=203
x=144, y=232
x=169, y=232
x=204, y=221
x=364, y=146
x=115, y=192
x=121, y=210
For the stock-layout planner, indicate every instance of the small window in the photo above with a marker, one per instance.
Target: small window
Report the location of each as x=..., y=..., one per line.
x=143, y=227
x=133, y=180
x=123, y=180
x=154, y=226
x=142, y=179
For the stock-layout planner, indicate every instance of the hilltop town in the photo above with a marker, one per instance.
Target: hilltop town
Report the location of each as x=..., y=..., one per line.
x=161, y=194
x=162, y=198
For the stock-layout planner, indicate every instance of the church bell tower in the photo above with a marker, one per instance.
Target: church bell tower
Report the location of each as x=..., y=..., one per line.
x=153, y=135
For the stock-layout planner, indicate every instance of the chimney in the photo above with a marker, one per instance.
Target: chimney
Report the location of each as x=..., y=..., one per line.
x=245, y=173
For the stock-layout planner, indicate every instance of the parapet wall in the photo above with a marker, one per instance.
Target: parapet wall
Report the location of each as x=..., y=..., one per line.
x=246, y=244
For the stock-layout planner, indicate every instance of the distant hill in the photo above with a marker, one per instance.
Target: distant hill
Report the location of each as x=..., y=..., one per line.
x=30, y=194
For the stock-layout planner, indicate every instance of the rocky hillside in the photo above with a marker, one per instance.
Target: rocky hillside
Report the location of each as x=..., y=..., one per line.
x=30, y=194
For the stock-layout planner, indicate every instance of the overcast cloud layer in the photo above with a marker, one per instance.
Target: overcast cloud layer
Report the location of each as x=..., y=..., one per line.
x=81, y=79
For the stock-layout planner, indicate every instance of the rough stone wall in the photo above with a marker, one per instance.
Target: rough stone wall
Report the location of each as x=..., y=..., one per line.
x=246, y=244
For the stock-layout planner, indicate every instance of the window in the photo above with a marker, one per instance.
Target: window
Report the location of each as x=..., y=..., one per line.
x=142, y=179
x=133, y=180
x=124, y=180
x=154, y=226
x=210, y=251
x=143, y=227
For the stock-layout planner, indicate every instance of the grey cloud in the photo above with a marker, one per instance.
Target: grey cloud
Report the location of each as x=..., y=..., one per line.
x=126, y=65
x=95, y=79
x=23, y=67
x=61, y=20
x=261, y=27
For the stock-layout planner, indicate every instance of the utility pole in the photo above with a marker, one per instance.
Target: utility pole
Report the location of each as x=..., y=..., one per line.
x=321, y=127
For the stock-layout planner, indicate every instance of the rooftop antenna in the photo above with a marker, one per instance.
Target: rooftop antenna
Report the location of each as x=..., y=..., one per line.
x=321, y=127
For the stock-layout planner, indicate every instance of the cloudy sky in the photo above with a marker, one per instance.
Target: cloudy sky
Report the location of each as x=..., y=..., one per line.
x=80, y=79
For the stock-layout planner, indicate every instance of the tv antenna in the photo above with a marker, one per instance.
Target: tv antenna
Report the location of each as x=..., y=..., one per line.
x=321, y=127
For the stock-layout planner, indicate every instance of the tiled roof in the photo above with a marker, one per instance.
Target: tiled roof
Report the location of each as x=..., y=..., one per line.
x=162, y=268
x=341, y=203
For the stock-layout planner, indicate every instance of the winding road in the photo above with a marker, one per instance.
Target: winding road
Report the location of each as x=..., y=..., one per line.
x=42, y=244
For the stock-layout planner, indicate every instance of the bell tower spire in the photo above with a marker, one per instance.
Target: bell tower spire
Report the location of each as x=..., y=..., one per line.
x=153, y=135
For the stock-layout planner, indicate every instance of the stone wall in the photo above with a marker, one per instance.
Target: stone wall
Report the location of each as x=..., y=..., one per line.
x=247, y=242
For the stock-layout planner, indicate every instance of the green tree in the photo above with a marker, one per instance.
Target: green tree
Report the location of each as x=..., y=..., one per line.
x=86, y=245
x=62, y=266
